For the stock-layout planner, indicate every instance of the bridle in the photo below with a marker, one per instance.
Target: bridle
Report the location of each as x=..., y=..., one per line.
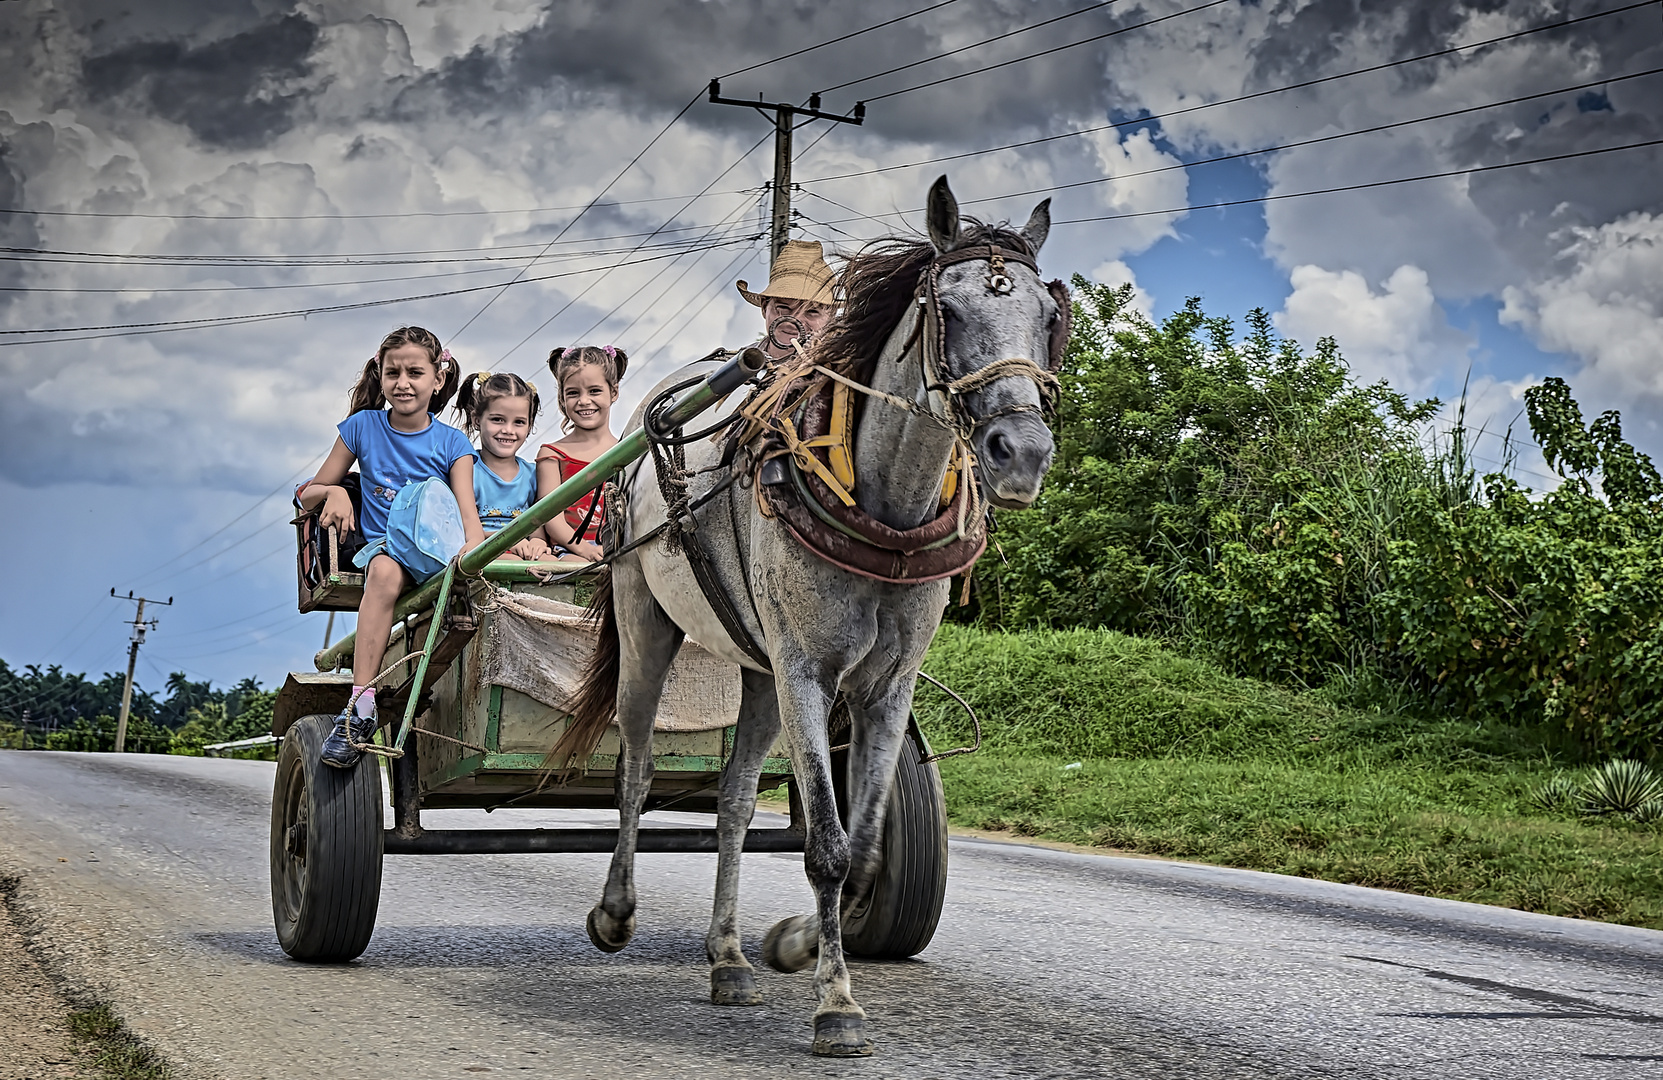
x=931, y=331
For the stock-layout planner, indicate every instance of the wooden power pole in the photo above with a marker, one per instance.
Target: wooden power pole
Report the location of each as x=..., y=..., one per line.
x=139, y=628
x=785, y=122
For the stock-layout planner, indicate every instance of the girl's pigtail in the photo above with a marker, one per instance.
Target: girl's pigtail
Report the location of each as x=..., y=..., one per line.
x=366, y=393
x=469, y=397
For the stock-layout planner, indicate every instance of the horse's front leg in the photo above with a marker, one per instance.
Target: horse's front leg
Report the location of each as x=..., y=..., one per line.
x=732, y=979
x=805, y=700
x=648, y=642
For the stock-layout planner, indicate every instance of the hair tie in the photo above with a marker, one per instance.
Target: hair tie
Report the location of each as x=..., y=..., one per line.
x=480, y=377
x=444, y=360
x=611, y=353
x=565, y=352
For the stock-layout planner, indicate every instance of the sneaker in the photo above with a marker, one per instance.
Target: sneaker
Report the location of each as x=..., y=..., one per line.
x=338, y=749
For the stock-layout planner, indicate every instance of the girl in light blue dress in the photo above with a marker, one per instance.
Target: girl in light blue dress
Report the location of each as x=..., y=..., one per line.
x=501, y=409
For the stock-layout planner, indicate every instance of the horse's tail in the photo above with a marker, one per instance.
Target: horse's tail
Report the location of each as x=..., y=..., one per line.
x=595, y=702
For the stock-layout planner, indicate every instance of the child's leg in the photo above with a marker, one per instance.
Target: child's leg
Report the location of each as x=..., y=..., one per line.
x=384, y=580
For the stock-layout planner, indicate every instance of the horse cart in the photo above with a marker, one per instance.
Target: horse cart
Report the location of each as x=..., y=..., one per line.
x=484, y=653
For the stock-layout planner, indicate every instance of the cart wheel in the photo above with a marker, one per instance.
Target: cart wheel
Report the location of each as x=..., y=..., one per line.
x=325, y=849
x=900, y=914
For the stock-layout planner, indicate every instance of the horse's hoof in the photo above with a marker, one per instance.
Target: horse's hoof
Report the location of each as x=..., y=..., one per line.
x=841, y=1034
x=791, y=945
x=607, y=933
x=734, y=985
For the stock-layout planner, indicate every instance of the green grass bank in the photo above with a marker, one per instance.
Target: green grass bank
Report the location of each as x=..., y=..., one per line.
x=1097, y=738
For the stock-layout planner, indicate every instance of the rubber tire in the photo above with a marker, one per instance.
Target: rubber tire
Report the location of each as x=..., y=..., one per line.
x=324, y=902
x=900, y=914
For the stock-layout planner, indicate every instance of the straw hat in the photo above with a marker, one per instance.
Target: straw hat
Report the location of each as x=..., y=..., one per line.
x=800, y=273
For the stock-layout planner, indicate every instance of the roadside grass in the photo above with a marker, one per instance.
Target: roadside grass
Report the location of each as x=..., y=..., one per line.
x=1097, y=738
x=119, y=1053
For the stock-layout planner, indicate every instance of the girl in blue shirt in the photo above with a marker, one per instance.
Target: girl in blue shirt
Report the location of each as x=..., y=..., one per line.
x=502, y=408
x=392, y=434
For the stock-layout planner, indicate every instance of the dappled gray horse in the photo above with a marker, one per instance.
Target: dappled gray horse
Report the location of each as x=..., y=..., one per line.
x=943, y=338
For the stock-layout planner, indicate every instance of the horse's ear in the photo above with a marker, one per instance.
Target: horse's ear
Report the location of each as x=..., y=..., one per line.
x=942, y=214
x=1038, y=227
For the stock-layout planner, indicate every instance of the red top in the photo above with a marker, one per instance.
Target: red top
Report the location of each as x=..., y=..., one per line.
x=569, y=467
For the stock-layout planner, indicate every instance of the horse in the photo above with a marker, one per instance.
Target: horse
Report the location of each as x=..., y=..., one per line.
x=939, y=337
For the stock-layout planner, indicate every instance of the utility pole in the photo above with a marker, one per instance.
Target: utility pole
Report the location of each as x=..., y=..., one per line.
x=784, y=119
x=139, y=628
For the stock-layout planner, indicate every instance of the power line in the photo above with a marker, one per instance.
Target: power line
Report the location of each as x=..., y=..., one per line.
x=261, y=501
x=1048, y=52
x=86, y=333
x=354, y=258
x=967, y=48
x=564, y=307
x=1243, y=97
x=688, y=269
x=721, y=275
x=587, y=207
x=463, y=213
x=845, y=37
x=1372, y=184
x=337, y=217
x=1318, y=139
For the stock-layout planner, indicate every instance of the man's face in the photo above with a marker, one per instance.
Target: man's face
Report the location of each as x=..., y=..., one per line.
x=812, y=316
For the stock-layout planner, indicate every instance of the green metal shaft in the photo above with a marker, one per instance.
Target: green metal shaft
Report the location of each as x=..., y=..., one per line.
x=629, y=448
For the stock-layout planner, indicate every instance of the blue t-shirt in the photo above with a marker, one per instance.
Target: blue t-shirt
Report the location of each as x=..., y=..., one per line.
x=388, y=459
x=501, y=501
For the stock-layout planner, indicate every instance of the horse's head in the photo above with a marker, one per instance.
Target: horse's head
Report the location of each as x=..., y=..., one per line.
x=991, y=313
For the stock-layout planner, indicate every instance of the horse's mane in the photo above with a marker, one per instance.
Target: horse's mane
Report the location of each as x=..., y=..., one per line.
x=879, y=281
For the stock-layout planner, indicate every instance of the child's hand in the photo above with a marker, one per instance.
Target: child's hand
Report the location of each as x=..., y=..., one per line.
x=588, y=550
x=532, y=549
x=337, y=510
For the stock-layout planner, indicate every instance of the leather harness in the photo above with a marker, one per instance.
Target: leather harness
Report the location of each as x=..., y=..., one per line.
x=796, y=448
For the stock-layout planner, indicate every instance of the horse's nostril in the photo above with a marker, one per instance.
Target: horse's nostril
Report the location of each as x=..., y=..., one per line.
x=999, y=449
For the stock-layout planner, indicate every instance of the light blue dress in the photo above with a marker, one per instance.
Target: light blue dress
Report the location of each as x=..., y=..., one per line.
x=501, y=501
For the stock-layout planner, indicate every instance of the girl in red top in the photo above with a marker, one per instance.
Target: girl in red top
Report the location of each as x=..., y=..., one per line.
x=586, y=380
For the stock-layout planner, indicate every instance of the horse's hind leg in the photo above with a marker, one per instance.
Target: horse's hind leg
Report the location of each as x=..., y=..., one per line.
x=732, y=979
x=648, y=642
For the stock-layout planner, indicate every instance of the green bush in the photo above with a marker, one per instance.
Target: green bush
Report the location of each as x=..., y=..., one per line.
x=1254, y=504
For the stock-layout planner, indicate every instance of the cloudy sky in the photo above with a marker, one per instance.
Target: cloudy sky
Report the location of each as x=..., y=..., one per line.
x=179, y=160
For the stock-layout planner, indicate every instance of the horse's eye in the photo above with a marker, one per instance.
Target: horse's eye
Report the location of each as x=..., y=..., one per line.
x=948, y=314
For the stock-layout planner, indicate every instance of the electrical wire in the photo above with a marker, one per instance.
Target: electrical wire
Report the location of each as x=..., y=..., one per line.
x=467, y=213
x=564, y=307
x=598, y=323
x=972, y=45
x=845, y=37
x=1365, y=186
x=1318, y=139
x=1244, y=97
x=91, y=333
x=1048, y=52
x=494, y=253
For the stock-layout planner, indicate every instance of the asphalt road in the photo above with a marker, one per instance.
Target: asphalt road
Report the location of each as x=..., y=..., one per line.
x=143, y=880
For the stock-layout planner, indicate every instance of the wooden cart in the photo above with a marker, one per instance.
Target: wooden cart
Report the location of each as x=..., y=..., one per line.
x=464, y=739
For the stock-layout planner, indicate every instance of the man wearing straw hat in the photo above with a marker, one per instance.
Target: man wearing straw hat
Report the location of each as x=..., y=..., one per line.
x=797, y=302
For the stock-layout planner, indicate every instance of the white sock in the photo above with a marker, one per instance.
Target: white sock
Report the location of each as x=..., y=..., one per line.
x=365, y=698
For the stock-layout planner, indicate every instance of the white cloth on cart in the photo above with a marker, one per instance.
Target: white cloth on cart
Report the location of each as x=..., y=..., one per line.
x=539, y=647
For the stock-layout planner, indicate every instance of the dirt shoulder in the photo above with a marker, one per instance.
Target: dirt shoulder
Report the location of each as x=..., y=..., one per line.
x=35, y=1040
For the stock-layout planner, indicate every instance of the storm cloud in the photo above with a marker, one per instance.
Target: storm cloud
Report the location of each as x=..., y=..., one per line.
x=275, y=147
